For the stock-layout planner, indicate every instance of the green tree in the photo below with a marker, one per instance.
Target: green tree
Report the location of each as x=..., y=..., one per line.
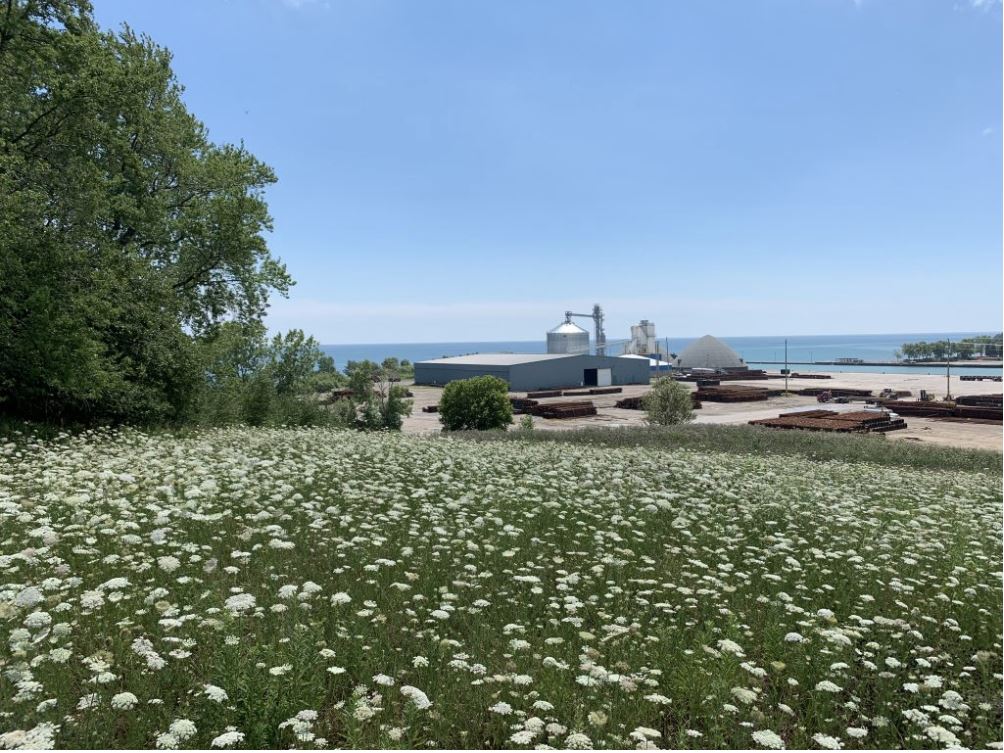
x=125, y=234
x=380, y=404
x=668, y=403
x=479, y=403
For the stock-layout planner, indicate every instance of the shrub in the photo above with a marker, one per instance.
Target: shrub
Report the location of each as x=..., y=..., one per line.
x=526, y=423
x=479, y=403
x=668, y=403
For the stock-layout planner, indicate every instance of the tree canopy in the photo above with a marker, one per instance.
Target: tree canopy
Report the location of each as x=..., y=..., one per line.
x=126, y=235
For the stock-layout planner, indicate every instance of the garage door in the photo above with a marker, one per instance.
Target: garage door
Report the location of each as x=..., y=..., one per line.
x=604, y=377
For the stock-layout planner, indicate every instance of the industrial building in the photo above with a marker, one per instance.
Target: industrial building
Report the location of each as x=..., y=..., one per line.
x=536, y=371
x=708, y=353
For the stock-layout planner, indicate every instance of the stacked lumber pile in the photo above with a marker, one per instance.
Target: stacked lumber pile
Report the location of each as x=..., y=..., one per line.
x=565, y=410
x=853, y=422
x=810, y=376
x=544, y=393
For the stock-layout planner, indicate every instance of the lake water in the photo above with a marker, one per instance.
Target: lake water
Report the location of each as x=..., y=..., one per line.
x=755, y=350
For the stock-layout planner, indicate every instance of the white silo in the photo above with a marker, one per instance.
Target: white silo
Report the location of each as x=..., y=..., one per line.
x=568, y=337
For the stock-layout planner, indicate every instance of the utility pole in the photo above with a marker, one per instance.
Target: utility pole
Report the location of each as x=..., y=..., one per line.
x=948, y=372
x=786, y=369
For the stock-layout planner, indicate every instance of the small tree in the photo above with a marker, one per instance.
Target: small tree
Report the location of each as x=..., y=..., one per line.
x=668, y=403
x=479, y=403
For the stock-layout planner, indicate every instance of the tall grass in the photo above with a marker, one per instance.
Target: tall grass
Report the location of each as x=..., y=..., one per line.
x=762, y=441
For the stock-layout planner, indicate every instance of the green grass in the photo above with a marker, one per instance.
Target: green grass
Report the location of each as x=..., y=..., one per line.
x=758, y=440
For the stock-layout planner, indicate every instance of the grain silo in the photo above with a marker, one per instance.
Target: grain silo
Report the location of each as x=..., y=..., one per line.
x=568, y=337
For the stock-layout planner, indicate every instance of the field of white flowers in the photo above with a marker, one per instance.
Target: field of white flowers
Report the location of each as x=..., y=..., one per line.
x=310, y=588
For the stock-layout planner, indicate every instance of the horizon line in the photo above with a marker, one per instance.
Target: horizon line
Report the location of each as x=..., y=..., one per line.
x=675, y=337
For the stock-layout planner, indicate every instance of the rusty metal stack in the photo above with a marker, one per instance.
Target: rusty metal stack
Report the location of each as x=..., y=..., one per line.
x=731, y=394
x=565, y=410
x=858, y=422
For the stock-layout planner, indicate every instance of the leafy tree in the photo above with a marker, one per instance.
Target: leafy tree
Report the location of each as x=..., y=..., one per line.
x=479, y=403
x=125, y=234
x=668, y=403
x=381, y=404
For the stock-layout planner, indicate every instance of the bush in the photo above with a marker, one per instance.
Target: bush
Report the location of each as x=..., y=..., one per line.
x=668, y=403
x=479, y=403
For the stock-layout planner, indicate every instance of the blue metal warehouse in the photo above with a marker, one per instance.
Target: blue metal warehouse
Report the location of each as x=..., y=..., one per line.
x=536, y=371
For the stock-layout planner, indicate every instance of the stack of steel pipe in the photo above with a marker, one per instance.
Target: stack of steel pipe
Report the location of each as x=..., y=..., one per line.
x=731, y=394
x=835, y=391
x=859, y=422
x=565, y=410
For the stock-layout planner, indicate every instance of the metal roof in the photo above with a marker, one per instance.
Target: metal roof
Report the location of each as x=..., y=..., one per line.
x=568, y=328
x=499, y=359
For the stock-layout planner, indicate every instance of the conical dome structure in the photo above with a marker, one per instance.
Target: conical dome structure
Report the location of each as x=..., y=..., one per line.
x=709, y=353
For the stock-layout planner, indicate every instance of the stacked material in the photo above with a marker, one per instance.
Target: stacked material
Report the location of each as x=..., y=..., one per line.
x=729, y=376
x=521, y=405
x=430, y=409
x=635, y=403
x=980, y=400
x=544, y=393
x=835, y=391
x=565, y=410
x=944, y=409
x=979, y=378
x=732, y=394
x=605, y=390
x=810, y=376
x=857, y=422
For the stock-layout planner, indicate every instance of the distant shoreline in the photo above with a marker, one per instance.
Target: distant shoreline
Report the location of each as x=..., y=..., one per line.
x=907, y=364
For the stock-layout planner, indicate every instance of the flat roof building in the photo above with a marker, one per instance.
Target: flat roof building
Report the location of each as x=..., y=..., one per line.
x=536, y=371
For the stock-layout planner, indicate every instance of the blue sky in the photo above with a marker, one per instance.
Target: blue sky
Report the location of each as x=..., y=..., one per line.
x=457, y=170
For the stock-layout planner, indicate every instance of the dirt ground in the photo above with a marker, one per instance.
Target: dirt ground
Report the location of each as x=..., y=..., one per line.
x=931, y=431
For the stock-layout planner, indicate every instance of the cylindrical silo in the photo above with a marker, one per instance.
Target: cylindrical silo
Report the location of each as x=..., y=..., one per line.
x=568, y=337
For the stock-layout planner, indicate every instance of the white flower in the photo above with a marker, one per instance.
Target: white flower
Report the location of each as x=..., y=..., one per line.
x=857, y=732
x=502, y=708
x=828, y=687
x=182, y=729
x=523, y=737
x=280, y=670
x=340, y=598
x=385, y=680
x=168, y=563
x=418, y=698
x=240, y=603
x=942, y=735
x=124, y=701
x=766, y=738
x=793, y=638
x=28, y=597
x=825, y=741
x=578, y=741
x=744, y=695
x=232, y=737
x=730, y=647
x=215, y=693
x=336, y=670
